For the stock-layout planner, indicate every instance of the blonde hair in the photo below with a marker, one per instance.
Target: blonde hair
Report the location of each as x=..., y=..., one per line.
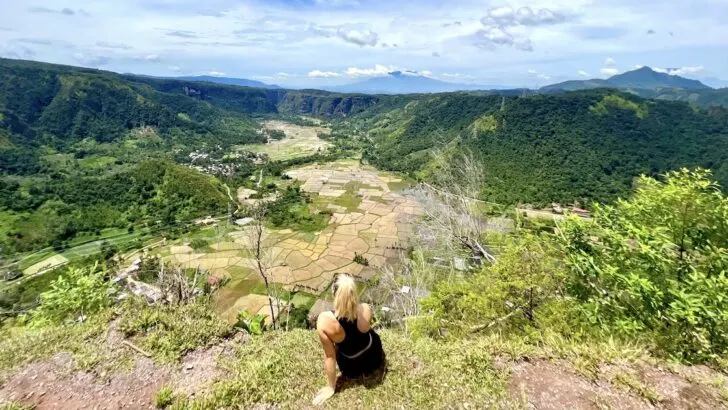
x=346, y=300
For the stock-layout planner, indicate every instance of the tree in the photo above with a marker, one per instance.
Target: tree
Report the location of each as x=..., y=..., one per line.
x=453, y=214
x=255, y=233
x=656, y=264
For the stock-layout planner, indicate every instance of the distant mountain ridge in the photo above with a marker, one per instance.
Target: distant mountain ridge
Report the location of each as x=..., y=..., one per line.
x=398, y=82
x=644, y=78
x=242, y=82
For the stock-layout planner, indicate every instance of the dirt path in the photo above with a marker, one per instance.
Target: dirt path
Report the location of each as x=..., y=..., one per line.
x=55, y=384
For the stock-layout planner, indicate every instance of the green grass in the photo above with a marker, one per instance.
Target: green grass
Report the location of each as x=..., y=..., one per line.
x=168, y=332
x=96, y=162
x=36, y=257
x=84, y=341
x=164, y=397
x=286, y=369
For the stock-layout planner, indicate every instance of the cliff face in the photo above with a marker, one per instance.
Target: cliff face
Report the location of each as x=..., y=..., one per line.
x=324, y=104
x=265, y=101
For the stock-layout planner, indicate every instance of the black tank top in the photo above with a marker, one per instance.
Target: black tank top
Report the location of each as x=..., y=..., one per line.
x=354, y=340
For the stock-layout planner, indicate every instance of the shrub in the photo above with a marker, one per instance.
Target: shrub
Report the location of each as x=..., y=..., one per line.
x=78, y=293
x=169, y=331
x=198, y=243
x=253, y=324
x=360, y=259
x=655, y=265
x=507, y=296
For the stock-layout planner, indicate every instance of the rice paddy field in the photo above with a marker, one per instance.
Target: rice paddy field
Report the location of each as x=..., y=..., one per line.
x=368, y=218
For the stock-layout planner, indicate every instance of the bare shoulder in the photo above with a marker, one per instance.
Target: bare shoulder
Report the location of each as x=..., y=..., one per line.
x=364, y=317
x=365, y=309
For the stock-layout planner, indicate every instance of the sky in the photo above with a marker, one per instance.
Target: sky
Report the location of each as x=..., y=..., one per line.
x=316, y=43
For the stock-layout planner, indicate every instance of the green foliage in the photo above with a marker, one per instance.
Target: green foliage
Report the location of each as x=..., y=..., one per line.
x=360, y=259
x=293, y=210
x=655, y=266
x=615, y=101
x=78, y=293
x=151, y=191
x=544, y=148
x=276, y=134
x=168, y=332
x=164, y=397
x=508, y=296
x=198, y=243
x=253, y=324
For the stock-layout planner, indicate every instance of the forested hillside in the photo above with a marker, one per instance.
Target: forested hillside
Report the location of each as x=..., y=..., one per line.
x=586, y=145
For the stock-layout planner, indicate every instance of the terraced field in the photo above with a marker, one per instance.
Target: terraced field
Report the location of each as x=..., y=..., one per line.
x=300, y=141
x=369, y=218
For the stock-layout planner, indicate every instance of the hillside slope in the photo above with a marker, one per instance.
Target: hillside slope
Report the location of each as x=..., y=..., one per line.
x=586, y=145
x=284, y=370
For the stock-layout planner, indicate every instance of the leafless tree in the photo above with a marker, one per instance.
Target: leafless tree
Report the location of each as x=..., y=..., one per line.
x=176, y=287
x=256, y=231
x=401, y=290
x=453, y=214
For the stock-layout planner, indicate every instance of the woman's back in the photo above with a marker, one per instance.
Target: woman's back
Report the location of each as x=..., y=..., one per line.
x=355, y=340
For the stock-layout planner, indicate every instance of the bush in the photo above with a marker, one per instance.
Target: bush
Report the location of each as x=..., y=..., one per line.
x=360, y=259
x=198, y=243
x=655, y=266
x=78, y=293
x=507, y=296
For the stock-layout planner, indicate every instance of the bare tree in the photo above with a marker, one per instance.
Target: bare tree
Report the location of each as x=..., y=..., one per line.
x=256, y=231
x=401, y=290
x=453, y=214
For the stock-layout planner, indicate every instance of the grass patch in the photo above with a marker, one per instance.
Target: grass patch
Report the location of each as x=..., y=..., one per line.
x=84, y=341
x=277, y=290
x=96, y=162
x=399, y=186
x=286, y=369
x=168, y=332
x=164, y=397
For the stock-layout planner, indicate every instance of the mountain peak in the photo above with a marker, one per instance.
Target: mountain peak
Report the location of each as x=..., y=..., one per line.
x=647, y=78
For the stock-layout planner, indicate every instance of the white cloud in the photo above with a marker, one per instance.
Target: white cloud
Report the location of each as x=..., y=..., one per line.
x=152, y=57
x=216, y=73
x=532, y=71
x=583, y=73
x=543, y=77
x=360, y=38
x=609, y=71
x=282, y=74
x=426, y=73
x=354, y=35
x=457, y=76
x=524, y=16
x=174, y=68
x=681, y=71
x=377, y=71
x=323, y=74
x=609, y=62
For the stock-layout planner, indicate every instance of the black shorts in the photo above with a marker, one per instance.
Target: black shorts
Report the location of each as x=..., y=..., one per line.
x=369, y=362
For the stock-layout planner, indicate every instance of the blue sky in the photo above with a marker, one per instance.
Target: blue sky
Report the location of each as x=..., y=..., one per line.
x=327, y=42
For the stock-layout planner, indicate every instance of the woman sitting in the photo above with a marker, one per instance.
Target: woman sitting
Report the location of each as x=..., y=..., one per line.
x=347, y=338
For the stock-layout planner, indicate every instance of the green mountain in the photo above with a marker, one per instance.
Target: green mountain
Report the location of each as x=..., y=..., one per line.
x=643, y=78
x=647, y=78
x=648, y=83
x=242, y=82
x=586, y=145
